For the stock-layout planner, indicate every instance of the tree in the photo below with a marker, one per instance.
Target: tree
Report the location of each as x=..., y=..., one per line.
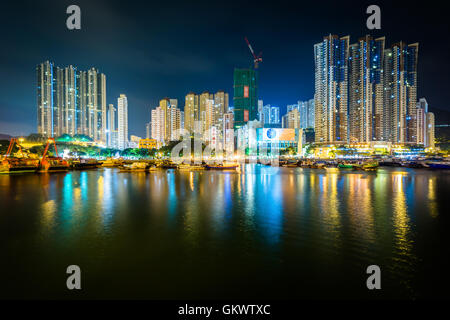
x=36, y=137
x=309, y=149
x=288, y=151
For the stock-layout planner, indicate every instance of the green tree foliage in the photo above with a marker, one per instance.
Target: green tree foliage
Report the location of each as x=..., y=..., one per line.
x=3, y=146
x=36, y=137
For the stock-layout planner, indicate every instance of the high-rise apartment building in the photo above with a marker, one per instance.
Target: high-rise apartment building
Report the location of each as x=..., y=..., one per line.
x=191, y=111
x=331, y=89
x=260, y=110
x=174, y=123
x=122, y=122
x=205, y=111
x=293, y=119
x=47, y=110
x=425, y=124
x=112, y=132
x=96, y=105
x=182, y=119
x=291, y=107
x=275, y=115
x=221, y=101
x=148, y=130
x=245, y=97
x=69, y=106
x=364, y=91
x=166, y=121
x=71, y=102
x=429, y=142
x=270, y=115
x=306, y=111
x=400, y=85
x=206, y=101
x=228, y=131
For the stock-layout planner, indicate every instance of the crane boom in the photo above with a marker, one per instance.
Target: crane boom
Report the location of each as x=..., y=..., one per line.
x=250, y=47
x=256, y=59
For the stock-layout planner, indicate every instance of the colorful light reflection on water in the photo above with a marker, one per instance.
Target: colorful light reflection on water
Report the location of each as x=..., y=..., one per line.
x=266, y=232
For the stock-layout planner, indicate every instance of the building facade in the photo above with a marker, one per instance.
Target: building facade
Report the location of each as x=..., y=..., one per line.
x=245, y=97
x=112, y=131
x=365, y=92
x=71, y=102
x=331, y=89
x=122, y=122
x=166, y=121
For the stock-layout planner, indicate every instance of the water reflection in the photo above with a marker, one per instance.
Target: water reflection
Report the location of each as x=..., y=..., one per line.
x=322, y=218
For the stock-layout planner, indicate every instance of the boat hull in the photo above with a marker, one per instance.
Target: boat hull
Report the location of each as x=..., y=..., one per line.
x=18, y=165
x=222, y=167
x=440, y=166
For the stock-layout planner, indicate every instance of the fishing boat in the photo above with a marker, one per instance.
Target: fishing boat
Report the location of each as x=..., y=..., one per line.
x=290, y=165
x=168, y=165
x=84, y=164
x=370, y=165
x=414, y=164
x=134, y=167
x=307, y=164
x=390, y=163
x=319, y=165
x=18, y=165
x=190, y=167
x=10, y=164
x=348, y=165
x=224, y=166
x=52, y=163
x=112, y=163
x=442, y=165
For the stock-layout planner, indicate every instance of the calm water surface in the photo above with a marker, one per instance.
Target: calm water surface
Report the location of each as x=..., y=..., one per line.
x=265, y=233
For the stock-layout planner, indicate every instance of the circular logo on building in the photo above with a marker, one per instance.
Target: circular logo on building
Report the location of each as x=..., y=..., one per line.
x=271, y=133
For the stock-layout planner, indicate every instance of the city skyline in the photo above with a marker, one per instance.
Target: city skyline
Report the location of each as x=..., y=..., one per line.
x=273, y=153
x=364, y=92
x=285, y=76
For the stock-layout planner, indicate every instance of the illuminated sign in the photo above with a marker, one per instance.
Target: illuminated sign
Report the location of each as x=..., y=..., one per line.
x=245, y=91
x=275, y=134
x=246, y=115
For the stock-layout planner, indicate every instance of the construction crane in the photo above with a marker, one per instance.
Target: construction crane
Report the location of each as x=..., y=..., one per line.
x=256, y=58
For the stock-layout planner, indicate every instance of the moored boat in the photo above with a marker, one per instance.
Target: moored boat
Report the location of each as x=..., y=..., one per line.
x=319, y=165
x=112, y=163
x=414, y=164
x=84, y=164
x=290, y=165
x=190, y=167
x=371, y=165
x=347, y=165
x=52, y=164
x=18, y=165
x=168, y=165
x=134, y=167
x=224, y=166
x=21, y=164
x=442, y=165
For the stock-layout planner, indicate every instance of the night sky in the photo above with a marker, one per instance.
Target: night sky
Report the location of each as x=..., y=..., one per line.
x=155, y=49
